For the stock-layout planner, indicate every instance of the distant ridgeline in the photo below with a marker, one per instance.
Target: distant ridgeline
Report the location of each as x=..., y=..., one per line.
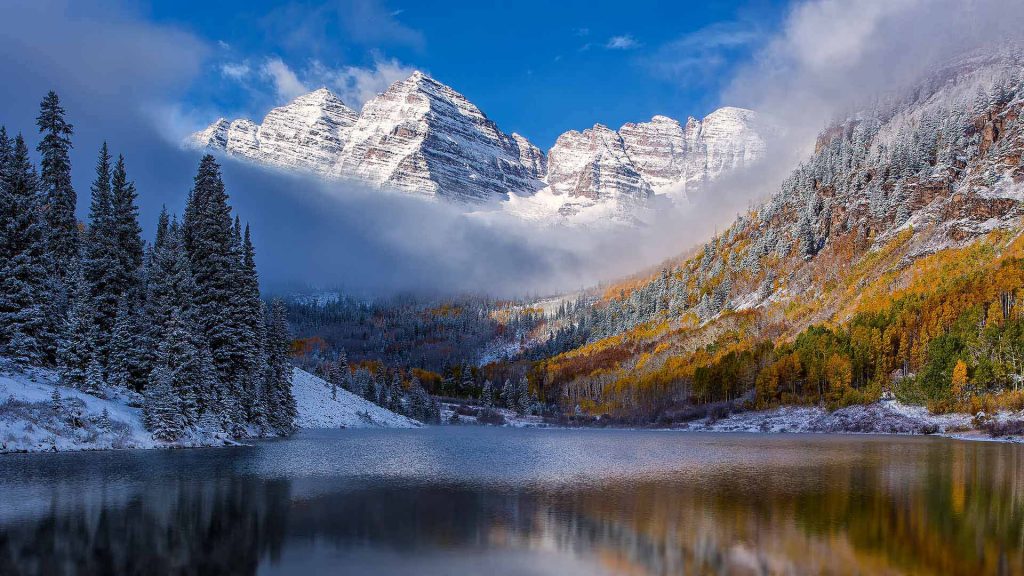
x=395, y=346
x=890, y=262
x=179, y=319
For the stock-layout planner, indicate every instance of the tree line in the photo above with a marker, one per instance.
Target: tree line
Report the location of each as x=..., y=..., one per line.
x=179, y=320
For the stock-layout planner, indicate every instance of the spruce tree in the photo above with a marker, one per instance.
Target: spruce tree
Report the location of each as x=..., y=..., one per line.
x=248, y=311
x=27, y=333
x=180, y=364
x=100, y=265
x=76, y=342
x=161, y=413
x=55, y=177
x=279, y=371
x=127, y=348
x=127, y=234
x=94, y=381
x=209, y=241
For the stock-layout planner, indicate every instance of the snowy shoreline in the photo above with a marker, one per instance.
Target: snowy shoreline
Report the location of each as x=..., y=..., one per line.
x=34, y=420
x=884, y=417
x=30, y=423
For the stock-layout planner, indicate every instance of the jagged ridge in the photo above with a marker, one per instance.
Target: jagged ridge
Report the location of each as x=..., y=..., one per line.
x=422, y=136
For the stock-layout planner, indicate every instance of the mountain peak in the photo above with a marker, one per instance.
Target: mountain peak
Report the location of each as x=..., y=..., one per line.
x=320, y=97
x=422, y=136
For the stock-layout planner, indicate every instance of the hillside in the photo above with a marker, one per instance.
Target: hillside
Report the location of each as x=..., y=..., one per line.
x=889, y=262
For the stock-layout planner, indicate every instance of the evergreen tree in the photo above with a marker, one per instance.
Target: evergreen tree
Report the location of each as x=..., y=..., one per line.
x=281, y=402
x=75, y=345
x=127, y=349
x=127, y=233
x=161, y=412
x=56, y=403
x=487, y=394
x=93, y=377
x=395, y=394
x=210, y=243
x=101, y=257
x=180, y=364
x=370, y=389
x=249, y=312
x=523, y=393
x=808, y=244
x=104, y=423
x=55, y=176
x=27, y=333
x=509, y=395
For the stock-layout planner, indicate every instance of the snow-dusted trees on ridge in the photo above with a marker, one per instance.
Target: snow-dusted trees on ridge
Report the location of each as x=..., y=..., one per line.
x=180, y=320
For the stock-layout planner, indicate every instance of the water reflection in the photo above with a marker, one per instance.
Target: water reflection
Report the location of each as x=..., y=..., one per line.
x=446, y=501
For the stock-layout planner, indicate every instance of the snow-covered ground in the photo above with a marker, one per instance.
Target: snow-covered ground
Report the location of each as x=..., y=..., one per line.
x=468, y=415
x=884, y=417
x=29, y=421
x=317, y=409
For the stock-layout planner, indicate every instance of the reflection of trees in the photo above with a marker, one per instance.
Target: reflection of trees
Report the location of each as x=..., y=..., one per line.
x=189, y=527
x=961, y=511
x=865, y=507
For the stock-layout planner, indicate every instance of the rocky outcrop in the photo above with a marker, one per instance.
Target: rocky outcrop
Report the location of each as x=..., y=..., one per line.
x=593, y=164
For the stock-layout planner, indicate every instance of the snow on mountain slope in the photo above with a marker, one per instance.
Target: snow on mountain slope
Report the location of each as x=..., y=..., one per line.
x=318, y=410
x=307, y=133
x=29, y=423
x=421, y=136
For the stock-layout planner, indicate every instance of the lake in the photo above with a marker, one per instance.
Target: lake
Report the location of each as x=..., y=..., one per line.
x=498, y=501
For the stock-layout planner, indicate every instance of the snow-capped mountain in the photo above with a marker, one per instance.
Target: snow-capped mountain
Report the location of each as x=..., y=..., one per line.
x=421, y=136
x=309, y=133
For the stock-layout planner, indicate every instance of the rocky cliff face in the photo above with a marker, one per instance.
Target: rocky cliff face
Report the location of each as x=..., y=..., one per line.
x=423, y=137
x=619, y=171
x=594, y=164
x=309, y=133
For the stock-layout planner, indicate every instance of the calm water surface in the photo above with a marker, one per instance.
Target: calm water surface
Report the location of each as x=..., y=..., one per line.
x=499, y=501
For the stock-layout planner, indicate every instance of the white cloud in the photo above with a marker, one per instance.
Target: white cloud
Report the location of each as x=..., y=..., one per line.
x=355, y=85
x=235, y=70
x=701, y=55
x=624, y=42
x=286, y=82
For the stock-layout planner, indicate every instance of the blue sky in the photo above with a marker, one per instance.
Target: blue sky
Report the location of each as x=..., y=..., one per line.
x=537, y=68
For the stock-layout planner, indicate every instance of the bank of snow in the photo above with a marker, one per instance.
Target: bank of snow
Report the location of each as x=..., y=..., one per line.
x=883, y=417
x=319, y=409
x=31, y=422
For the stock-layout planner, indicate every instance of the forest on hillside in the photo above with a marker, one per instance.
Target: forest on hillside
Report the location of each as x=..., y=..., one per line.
x=888, y=265
x=177, y=323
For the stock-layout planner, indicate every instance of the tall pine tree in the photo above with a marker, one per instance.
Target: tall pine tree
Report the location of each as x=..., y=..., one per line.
x=55, y=176
x=27, y=332
x=278, y=384
x=210, y=243
x=100, y=266
x=127, y=234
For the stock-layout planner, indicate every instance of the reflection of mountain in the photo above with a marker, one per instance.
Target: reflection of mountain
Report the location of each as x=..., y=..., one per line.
x=848, y=506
